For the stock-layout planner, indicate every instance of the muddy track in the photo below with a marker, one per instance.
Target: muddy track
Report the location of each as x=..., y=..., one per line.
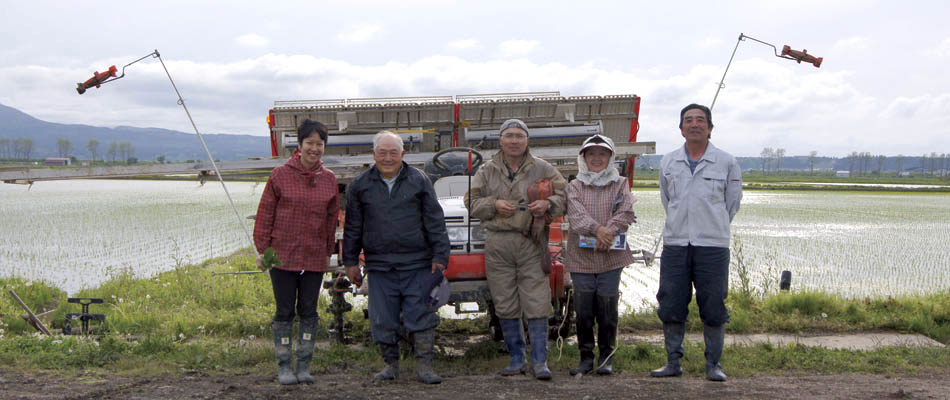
x=18, y=385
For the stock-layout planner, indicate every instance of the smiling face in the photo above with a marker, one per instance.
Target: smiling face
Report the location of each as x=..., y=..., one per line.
x=388, y=155
x=596, y=158
x=514, y=142
x=311, y=150
x=695, y=127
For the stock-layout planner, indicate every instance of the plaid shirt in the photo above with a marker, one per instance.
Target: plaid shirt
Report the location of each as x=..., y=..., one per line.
x=588, y=208
x=298, y=215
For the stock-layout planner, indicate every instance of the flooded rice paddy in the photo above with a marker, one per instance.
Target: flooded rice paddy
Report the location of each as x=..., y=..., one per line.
x=76, y=234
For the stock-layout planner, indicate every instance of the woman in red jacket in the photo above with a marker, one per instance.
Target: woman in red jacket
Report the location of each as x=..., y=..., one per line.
x=297, y=217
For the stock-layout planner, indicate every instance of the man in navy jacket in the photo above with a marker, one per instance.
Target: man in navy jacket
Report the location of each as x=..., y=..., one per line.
x=393, y=216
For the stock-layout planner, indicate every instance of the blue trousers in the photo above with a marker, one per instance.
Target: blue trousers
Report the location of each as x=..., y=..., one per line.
x=685, y=267
x=399, y=292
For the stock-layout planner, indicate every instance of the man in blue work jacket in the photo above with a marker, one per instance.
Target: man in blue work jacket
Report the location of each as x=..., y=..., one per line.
x=393, y=216
x=700, y=188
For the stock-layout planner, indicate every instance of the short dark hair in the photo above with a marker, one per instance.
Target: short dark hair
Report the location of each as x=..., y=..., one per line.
x=308, y=127
x=698, y=107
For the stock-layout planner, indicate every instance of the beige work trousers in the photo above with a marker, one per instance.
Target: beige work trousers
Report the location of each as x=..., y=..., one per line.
x=517, y=284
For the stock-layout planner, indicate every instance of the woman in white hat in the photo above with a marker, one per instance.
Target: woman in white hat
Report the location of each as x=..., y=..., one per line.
x=599, y=208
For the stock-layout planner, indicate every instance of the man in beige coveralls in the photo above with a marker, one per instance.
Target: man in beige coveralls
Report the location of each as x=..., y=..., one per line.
x=499, y=198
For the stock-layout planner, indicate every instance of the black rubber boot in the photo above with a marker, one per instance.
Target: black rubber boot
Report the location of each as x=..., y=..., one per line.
x=715, y=337
x=513, y=332
x=283, y=349
x=584, y=307
x=673, y=339
x=391, y=357
x=606, y=332
x=425, y=350
x=306, y=338
x=538, y=334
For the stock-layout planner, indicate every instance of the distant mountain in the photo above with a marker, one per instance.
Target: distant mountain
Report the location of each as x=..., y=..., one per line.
x=148, y=143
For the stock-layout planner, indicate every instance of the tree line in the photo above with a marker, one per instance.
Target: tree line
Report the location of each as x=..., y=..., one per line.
x=21, y=148
x=16, y=148
x=865, y=163
x=772, y=159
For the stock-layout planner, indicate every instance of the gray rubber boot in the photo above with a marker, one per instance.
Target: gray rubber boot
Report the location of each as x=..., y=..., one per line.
x=306, y=339
x=425, y=350
x=538, y=334
x=584, y=306
x=513, y=331
x=715, y=337
x=283, y=348
x=673, y=339
x=607, y=319
x=391, y=357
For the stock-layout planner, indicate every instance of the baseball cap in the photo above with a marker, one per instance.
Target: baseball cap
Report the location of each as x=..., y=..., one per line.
x=598, y=141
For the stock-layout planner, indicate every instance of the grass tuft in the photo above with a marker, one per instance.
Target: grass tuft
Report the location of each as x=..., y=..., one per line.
x=185, y=320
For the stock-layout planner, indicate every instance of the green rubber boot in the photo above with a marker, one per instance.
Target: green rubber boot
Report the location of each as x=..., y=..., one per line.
x=306, y=338
x=715, y=337
x=673, y=339
x=283, y=348
x=391, y=357
x=584, y=306
x=425, y=350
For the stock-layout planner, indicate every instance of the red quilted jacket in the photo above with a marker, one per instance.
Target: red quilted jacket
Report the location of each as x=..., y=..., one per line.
x=298, y=216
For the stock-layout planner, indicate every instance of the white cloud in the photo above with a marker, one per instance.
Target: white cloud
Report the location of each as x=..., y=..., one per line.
x=925, y=106
x=710, y=42
x=359, y=33
x=463, y=44
x=518, y=48
x=764, y=104
x=942, y=49
x=251, y=40
x=854, y=43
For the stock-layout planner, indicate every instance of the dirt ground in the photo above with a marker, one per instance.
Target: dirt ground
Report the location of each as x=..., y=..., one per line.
x=16, y=385
x=357, y=384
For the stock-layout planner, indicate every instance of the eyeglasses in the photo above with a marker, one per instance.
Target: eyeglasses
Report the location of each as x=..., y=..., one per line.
x=514, y=135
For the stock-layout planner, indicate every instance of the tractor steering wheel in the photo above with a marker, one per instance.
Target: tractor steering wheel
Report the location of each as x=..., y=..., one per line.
x=476, y=162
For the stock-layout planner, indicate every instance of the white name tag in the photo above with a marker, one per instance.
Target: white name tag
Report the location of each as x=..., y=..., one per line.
x=306, y=336
x=285, y=340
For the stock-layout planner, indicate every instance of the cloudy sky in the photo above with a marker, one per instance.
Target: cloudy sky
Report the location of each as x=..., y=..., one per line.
x=884, y=86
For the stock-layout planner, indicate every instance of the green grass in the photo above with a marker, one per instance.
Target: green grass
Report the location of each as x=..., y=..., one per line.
x=810, y=312
x=39, y=296
x=186, y=320
x=184, y=303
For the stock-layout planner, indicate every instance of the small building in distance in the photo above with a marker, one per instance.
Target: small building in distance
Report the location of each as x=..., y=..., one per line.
x=842, y=174
x=57, y=161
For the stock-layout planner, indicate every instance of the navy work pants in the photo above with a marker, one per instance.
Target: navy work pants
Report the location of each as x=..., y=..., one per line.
x=399, y=292
x=685, y=267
